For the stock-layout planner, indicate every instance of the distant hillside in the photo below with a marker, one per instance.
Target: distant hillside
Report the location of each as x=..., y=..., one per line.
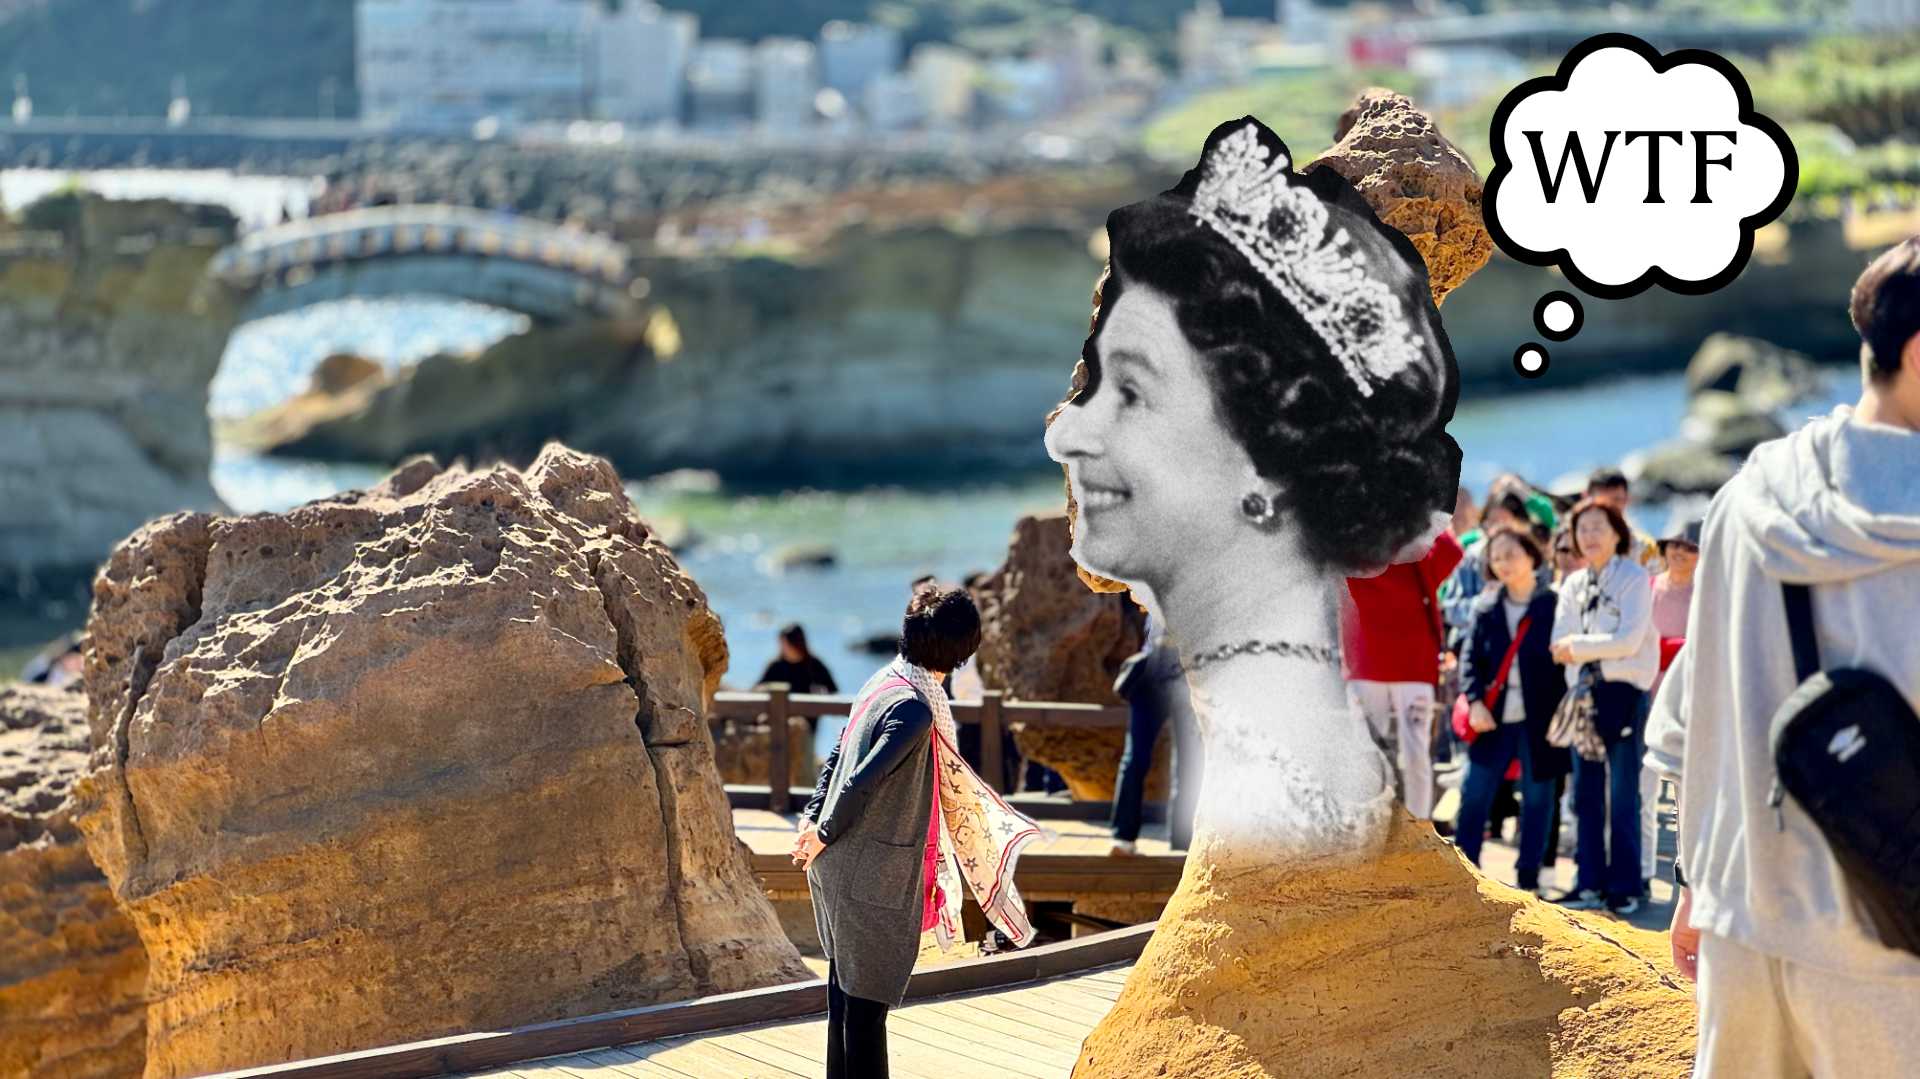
x=273, y=57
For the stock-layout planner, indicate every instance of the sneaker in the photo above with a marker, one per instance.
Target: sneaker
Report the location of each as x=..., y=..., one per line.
x=1584, y=899
x=1625, y=906
x=1540, y=891
x=1123, y=848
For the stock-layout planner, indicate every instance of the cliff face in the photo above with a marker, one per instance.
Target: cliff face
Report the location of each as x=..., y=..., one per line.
x=73, y=974
x=426, y=758
x=112, y=336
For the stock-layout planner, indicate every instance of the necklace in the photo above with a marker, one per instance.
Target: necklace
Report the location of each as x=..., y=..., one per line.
x=1319, y=653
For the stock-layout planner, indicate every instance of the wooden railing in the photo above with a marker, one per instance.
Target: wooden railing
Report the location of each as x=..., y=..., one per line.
x=992, y=712
x=491, y=1049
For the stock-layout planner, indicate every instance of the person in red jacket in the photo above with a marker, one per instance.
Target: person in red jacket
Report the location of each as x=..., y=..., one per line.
x=1391, y=636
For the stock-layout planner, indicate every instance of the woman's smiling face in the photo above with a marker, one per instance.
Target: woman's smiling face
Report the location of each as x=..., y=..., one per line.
x=1156, y=475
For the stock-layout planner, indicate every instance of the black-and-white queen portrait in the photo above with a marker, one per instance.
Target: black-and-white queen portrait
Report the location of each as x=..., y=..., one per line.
x=1261, y=413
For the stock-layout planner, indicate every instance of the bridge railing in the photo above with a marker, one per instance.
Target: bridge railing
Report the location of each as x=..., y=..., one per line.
x=992, y=712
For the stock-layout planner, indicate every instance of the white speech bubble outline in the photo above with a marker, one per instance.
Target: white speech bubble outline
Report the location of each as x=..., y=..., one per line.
x=1660, y=63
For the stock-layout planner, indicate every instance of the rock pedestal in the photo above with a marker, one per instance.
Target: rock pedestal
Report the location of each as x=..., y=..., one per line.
x=1416, y=181
x=1409, y=964
x=1045, y=637
x=426, y=758
x=72, y=972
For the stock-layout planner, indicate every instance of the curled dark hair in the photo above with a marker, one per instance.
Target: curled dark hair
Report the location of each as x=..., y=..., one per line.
x=1615, y=521
x=1359, y=476
x=941, y=628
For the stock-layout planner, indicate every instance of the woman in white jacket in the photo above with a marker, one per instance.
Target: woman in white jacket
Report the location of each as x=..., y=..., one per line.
x=1605, y=619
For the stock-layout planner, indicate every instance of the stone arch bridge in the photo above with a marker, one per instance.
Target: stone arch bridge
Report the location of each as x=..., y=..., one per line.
x=550, y=273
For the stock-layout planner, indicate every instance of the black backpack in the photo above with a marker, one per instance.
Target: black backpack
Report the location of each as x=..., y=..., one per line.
x=1846, y=745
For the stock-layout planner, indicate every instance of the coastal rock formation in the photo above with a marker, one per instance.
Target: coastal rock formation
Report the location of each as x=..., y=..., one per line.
x=1735, y=387
x=504, y=402
x=1411, y=964
x=1045, y=637
x=72, y=972
x=1416, y=181
x=112, y=337
x=424, y=758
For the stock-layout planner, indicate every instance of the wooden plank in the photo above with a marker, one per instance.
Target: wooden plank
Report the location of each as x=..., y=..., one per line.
x=773, y=1044
x=991, y=764
x=1082, y=1009
x=778, y=751
x=630, y=1060
x=706, y=1059
x=955, y=1015
x=1064, y=1026
x=1011, y=1056
x=917, y=1056
x=586, y=1066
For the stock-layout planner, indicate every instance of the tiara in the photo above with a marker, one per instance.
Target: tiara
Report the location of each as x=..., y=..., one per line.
x=1281, y=228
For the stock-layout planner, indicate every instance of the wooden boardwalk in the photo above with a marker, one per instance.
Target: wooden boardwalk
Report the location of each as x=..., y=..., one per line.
x=1032, y=1031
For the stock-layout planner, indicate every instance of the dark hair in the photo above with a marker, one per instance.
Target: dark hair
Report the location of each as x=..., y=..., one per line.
x=1360, y=476
x=1524, y=539
x=941, y=629
x=1885, y=308
x=1614, y=520
x=1608, y=479
x=795, y=636
x=1508, y=501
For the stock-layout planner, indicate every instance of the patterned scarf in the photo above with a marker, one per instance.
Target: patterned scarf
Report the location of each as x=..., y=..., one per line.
x=973, y=834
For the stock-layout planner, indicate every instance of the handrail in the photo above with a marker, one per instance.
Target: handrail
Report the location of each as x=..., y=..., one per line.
x=992, y=712
x=478, y=1050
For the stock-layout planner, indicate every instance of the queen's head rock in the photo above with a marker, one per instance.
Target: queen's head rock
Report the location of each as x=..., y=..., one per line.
x=414, y=760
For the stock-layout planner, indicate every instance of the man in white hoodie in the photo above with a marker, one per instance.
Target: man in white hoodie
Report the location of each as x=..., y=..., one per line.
x=1792, y=980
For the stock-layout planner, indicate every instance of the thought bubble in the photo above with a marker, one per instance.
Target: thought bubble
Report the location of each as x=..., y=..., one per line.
x=1627, y=168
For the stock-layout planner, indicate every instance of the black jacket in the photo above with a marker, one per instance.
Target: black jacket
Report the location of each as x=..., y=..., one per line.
x=1542, y=681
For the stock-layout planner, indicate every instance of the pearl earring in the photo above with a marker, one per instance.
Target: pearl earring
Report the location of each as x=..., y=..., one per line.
x=1260, y=509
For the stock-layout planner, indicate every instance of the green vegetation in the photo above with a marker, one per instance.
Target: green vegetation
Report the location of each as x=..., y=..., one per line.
x=1301, y=107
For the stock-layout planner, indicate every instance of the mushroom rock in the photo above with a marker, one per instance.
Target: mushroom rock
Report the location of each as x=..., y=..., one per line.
x=1404, y=963
x=1416, y=181
x=73, y=975
x=411, y=761
x=1046, y=637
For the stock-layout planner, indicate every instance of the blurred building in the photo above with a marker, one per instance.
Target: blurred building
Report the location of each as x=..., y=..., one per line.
x=1021, y=89
x=1886, y=14
x=891, y=102
x=1213, y=50
x=945, y=79
x=640, y=56
x=720, y=83
x=854, y=54
x=786, y=77
x=1078, y=57
x=1456, y=76
x=441, y=64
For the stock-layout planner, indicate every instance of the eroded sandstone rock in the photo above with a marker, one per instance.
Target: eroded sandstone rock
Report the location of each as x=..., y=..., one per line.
x=1411, y=964
x=72, y=972
x=1046, y=637
x=425, y=758
x=1416, y=181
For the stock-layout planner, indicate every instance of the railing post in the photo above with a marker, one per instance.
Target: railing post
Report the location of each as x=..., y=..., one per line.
x=990, y=756
x=779, y=796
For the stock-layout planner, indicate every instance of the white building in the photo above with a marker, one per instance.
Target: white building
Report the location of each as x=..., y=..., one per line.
x=720, y=83
x=1079, y=56
x=854, y=54
x=945, y=79
x=891, y=102
x=1021, y=89
x=640, y=56
x=448, y=63
x=786, y=76
x=1886, y=14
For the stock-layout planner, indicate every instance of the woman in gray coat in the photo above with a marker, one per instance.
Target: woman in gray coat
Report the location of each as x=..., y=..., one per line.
x=896, y=816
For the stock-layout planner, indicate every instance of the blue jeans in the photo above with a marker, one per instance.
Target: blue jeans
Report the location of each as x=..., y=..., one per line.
x=1487, y=760
x=1148, y=708
x=1606, y=796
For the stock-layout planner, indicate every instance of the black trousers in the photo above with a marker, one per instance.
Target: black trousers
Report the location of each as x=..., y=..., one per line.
x=856, y=1034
